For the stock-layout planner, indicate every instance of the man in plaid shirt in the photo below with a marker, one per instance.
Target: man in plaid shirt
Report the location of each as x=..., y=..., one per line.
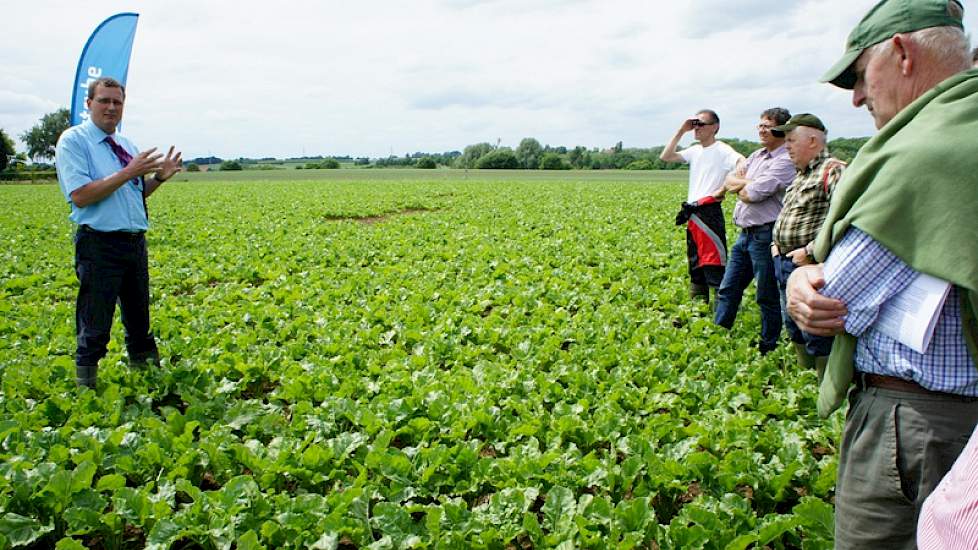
x=806, y=203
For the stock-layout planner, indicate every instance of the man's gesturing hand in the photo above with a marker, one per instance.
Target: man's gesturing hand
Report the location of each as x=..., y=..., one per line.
x=814, y=313
x=171, y=165
x=144, y=163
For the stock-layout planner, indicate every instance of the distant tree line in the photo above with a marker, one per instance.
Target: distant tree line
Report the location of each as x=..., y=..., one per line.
x=528, y=155
x=418, y=160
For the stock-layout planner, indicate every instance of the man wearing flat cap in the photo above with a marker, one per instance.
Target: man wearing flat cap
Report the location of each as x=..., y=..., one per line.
x=904, y=207
x=806, y=202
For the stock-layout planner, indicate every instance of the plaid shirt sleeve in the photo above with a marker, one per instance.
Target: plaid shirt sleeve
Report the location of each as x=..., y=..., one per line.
x=864, y=275
x=834, y=175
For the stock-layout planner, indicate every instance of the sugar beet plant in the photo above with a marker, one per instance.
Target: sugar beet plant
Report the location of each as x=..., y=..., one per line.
x=396, y=364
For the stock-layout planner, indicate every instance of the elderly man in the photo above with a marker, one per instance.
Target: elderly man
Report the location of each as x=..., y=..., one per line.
x=805, y=204
x=102, y=177
x=905, y=206
x=709, y=162
x=760, y=185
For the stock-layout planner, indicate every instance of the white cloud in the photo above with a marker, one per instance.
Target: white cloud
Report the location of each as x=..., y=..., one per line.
x=370, y=78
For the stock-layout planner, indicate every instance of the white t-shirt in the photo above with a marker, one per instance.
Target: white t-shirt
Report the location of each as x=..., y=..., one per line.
x=708, y=166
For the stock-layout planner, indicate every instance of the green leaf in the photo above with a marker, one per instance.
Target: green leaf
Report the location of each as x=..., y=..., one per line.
x=742, y=542
x=392, y=520
x=85, y=513
x=249, y=541
x=559, y=510
x=110, y=482
x=816, y=516
x=131, y=504
x=68, y=543
x=635, y=514
x=533, y=529
x=57, y=492
x=82, y=477
x=20, y=530
x=163, y=534
x=329, y=541
x=773, y=527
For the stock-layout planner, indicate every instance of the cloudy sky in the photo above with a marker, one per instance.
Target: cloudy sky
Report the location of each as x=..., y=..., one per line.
x=372, y=78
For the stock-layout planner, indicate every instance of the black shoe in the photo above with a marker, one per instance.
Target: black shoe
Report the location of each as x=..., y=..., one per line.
x=766, y=349
x=145, y=359
x=86, y=375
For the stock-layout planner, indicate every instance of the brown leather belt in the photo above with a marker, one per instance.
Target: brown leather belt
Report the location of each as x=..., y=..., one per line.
x=867, y=380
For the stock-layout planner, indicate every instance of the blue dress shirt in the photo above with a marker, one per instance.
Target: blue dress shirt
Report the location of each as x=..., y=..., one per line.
x=83, y=156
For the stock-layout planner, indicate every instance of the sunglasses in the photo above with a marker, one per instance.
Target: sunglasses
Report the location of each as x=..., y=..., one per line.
x=775, y=133
x=697, y=123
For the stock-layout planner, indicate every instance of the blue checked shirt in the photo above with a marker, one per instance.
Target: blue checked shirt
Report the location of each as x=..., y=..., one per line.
x=864, y=275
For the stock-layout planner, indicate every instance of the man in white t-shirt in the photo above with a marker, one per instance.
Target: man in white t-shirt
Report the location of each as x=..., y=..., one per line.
x=706, y=237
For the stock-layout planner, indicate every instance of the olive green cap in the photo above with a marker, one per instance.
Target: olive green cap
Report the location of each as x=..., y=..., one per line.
x=887, y=18
x=803, y=119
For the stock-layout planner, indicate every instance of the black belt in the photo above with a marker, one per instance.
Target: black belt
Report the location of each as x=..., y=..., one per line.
x=119, y=234
x=868, y=380
x=756, y=228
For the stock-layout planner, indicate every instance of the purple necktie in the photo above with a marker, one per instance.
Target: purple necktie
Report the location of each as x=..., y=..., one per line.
x=125, y=158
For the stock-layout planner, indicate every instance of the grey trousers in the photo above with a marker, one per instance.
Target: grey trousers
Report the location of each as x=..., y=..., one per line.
x=896, y=447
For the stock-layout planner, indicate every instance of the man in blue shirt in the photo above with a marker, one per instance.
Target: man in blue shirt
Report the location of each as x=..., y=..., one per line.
x=102, y=176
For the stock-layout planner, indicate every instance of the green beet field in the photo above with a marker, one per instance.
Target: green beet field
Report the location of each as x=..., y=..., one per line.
x=403, y=359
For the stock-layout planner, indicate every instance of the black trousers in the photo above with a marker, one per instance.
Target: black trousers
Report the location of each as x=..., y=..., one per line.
x=112, y=267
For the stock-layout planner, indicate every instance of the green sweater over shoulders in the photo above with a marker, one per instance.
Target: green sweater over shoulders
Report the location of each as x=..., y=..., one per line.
x=914, y=188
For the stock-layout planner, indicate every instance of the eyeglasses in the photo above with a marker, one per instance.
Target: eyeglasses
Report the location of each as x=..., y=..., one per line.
x=763, y=127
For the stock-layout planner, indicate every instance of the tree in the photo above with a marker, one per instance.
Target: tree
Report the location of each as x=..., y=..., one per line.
x=472, y=154
x=579, y=157
x=43, y=137
x=427, y=163
x=7, y=150
x=500, y=159
x=230, y=165
x=553, y=161
x=743, y=147
x=640, y=164
x=528, y=153
x=329, y=164
x=845, y=149
x=193, y=167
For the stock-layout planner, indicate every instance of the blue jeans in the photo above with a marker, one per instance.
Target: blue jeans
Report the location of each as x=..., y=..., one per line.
x=750, y=258
x=814, y=345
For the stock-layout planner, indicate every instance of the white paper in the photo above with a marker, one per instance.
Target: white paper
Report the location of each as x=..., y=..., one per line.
x=910, y=316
